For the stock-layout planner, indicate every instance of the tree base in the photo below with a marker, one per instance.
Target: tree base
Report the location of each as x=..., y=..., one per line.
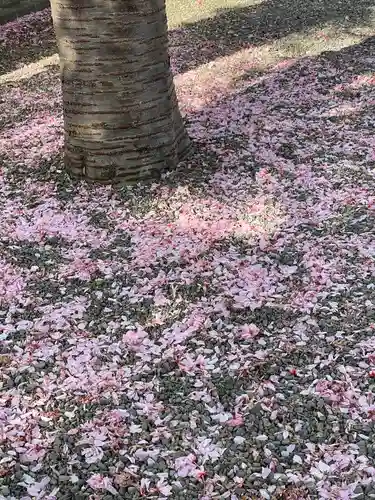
x=122, y=123
x=118, y=180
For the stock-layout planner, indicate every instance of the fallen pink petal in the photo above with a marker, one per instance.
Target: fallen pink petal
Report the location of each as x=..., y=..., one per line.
x=209, y=334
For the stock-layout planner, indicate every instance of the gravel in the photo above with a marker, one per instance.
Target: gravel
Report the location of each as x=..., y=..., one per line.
x=208, y=336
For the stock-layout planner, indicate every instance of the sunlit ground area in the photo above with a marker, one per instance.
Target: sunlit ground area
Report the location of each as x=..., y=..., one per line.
x=212, y=335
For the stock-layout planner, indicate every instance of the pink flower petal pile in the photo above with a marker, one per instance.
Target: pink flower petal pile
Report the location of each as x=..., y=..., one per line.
x=211, y=335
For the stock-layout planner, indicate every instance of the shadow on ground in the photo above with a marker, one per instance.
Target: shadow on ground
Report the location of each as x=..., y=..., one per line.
x=227, y=32
x=269, y=21
x=305, y=128
x=326, y=98
x=306, y=91
x=12, y=9
x=26, y=40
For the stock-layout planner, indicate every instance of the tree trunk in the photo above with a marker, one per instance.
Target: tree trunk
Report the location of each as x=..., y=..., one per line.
x=121, y=115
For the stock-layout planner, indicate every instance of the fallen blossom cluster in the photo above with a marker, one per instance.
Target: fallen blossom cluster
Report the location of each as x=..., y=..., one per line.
x=211, y=335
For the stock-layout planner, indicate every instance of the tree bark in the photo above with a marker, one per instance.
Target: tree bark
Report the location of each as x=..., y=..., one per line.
x=121, y=115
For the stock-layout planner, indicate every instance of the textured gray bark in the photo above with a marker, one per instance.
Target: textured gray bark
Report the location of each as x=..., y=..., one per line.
x=121, y=115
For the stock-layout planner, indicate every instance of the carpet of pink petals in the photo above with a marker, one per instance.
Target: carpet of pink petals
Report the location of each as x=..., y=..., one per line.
x=208, y=336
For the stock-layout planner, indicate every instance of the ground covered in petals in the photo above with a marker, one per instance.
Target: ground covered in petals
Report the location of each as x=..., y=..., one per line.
x=212, y=335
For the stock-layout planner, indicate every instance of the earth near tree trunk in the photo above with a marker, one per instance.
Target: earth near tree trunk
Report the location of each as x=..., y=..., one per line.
x=121, y=115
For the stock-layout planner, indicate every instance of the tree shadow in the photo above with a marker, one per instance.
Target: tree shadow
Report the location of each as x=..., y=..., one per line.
x=329, y=103
x=235, y=28
x=12, y=9
x=332, y=89
x=224, y=118
x=315, y=113
x=200, y=42
x=26, y=40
